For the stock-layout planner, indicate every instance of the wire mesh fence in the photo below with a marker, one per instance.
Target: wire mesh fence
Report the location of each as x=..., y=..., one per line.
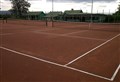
x=77, y=14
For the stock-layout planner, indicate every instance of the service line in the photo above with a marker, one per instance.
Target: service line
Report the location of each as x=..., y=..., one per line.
x=91, y=50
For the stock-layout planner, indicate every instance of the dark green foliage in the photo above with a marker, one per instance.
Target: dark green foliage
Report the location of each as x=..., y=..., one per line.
x=116, y=15
x=116, y=18
x=19, y=7
x=5, y=16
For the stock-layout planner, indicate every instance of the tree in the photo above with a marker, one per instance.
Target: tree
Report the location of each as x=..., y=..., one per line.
x=118, y=11
x=116, y=15
x=119, y=7
x=19, y=7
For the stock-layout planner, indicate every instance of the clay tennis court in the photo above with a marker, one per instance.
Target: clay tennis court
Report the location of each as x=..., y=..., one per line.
x=67, y=52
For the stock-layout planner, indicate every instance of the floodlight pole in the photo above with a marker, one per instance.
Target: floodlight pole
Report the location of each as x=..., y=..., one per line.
x=115, y=18
x=0, y=5
x=91, y=21
x=28, y=18
x=52, y=12
x=103, y=11
x=92, y=12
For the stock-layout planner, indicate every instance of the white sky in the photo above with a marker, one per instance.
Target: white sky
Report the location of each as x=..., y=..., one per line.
x=43, y=5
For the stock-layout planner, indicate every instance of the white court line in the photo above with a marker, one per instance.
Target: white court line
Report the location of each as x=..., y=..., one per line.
x=24, y=32
x=85, y=38
x=13, y=33
x=7, y=34
x=53, y=63
x=75, y=32
x=45, y=29
x=115, y=73
x=91, y=50
x=42, y=32
x=70, y=36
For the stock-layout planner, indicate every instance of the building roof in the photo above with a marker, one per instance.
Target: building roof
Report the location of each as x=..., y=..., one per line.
x=54, y=14
x=35, y=13
x=73, y=11
x=5, y=13
x=84, y=14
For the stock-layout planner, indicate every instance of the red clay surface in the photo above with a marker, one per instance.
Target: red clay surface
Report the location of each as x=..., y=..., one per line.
x=17, y=68
x=28, y=22
x=106, y=27
x=71, y=25
x=53, y=48
x=93, y=26
x=50, y=44
x=102, y=61
x=96, y=34
x=11, y=28
x=63, y=31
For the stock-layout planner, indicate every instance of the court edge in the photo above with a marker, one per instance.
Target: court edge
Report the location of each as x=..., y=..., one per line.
x=64, y=66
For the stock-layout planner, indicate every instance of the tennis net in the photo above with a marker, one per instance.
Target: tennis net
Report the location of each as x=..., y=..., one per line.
x=112, y=27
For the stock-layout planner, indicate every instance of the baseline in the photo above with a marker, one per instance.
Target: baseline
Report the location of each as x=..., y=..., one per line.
x=53, y=63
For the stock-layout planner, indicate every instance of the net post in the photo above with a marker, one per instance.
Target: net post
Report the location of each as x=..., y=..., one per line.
x=52, y=12
x=46, y=22
x=91, y=21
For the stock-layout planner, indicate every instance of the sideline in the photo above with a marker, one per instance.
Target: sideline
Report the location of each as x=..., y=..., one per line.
x=53, y=63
